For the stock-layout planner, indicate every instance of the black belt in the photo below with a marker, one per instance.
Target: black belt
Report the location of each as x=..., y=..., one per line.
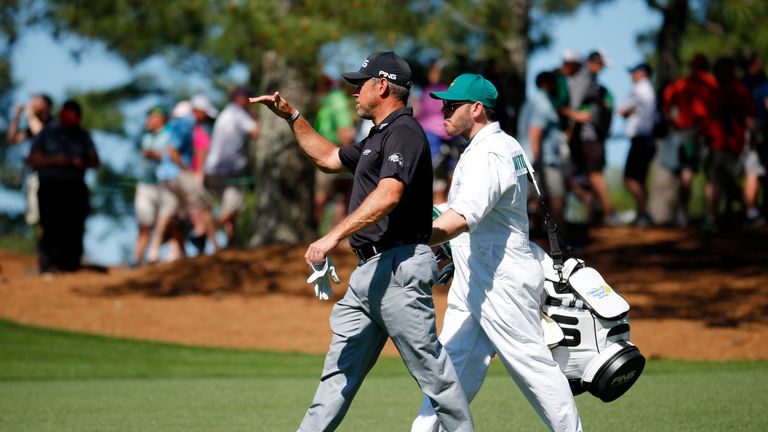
x=370, y=250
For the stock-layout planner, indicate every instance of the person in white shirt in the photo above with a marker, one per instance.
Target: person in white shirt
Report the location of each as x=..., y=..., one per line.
x=227, y=159
x=495, y=298
x=639, y=110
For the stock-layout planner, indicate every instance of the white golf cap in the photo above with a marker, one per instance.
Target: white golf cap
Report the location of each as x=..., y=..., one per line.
x=200, y=102
x=571, y=56
x=181, y=109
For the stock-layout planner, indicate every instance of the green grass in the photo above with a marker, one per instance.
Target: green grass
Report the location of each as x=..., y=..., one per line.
x=19, y=243
x=59, y=381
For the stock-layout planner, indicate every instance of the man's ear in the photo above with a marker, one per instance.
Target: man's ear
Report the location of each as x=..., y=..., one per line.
x=383, y=89
x=477, y=111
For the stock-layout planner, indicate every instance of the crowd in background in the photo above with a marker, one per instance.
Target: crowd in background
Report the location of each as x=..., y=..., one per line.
x=189, y=157
x=711, y=121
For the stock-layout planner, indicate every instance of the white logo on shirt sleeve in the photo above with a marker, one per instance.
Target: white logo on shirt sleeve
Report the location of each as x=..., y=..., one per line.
x=396, y=158
x=366, y=152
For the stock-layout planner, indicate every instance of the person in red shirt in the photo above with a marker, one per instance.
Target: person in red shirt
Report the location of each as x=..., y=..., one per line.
x=687, y=104
x=732, y=113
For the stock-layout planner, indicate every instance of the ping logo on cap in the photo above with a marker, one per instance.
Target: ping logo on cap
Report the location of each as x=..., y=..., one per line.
x=388, y=75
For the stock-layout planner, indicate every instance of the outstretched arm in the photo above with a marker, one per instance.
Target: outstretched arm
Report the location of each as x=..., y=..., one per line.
x=322, y=152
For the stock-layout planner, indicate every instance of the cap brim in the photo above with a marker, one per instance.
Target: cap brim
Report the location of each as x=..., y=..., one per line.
x=354, y=77
x=446, y=95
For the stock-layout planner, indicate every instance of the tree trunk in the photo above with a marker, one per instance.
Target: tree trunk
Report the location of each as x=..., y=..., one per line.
x=283, y=213
x=509, y=73
x=670, y=40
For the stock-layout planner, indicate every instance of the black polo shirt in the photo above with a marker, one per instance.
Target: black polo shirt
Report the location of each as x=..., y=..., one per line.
x=397, y=147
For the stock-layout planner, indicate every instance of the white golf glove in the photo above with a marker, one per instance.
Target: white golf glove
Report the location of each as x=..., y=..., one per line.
x=320, y=277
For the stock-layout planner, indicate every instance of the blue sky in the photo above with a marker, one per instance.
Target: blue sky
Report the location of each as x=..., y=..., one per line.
x=43, y=65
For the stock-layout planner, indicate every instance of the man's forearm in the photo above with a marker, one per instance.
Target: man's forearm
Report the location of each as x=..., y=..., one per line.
x=323, y=153
x=375, y=206
x=447, y=226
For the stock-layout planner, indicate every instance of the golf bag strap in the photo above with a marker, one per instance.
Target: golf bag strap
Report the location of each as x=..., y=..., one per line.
x=550, y=224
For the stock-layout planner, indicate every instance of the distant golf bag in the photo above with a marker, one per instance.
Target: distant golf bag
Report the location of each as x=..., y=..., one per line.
x=586, y=325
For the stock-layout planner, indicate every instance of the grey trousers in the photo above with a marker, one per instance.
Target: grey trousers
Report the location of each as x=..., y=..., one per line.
x=389, y=295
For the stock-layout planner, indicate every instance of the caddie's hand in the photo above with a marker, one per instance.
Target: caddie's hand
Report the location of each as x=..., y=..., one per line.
x=445, y=274
x=275, y=103
x=321, y=273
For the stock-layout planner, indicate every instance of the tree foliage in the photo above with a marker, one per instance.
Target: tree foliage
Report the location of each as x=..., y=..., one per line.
x=713, y=27
x=280, y=42
x=728, y=27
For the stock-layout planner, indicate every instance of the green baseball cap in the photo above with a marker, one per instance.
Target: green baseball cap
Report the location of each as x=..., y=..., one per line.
x=158, y=109
x=470, y=87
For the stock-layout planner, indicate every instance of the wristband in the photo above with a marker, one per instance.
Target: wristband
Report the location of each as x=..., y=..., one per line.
x=294, y=116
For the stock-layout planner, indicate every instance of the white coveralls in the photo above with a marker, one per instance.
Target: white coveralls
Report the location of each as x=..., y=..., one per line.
x=495, y=298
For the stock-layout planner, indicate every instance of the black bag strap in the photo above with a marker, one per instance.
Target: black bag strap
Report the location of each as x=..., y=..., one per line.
x=551, y=226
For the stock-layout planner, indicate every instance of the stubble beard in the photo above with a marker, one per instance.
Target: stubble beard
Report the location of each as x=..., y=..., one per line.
x=364, y=113
x=453, y=127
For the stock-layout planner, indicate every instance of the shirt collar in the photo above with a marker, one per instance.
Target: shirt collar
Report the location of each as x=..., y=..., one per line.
x=393, y=116
x=485, y=132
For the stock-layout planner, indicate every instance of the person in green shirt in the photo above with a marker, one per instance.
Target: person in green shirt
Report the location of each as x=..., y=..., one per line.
x=335, y=122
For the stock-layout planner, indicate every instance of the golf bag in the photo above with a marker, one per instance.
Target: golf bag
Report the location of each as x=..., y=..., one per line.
x=586, y=325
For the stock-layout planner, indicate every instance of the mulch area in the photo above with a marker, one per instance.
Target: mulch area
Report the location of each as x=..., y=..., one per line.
x=693, y=295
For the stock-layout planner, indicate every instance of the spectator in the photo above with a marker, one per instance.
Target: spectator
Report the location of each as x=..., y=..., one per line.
x=61, y=153
x=227, y=160
x=572, y=64
x=733, y=112
x=687, y=106
x=540, y=135
x=37, y=115
x=201, y=143
x=336, y=123
x=174, y=171
x=754, y=157
x=758, y=153
x=150, y=195
x=639, y=110
x=754, y=72
x=590, y=112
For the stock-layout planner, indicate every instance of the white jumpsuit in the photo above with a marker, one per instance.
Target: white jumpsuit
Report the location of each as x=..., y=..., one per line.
x=494, y=301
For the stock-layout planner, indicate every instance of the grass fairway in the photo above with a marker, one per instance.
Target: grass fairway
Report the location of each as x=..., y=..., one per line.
x=58, y=381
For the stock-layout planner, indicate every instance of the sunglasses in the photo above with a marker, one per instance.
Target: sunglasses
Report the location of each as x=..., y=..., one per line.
x=449, y=107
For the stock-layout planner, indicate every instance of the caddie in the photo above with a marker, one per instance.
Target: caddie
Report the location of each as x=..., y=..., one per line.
x=495, y=298
x=390, y=291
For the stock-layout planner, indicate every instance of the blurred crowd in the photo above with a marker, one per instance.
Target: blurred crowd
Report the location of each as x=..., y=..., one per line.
x=709, y=122
x=194, y=159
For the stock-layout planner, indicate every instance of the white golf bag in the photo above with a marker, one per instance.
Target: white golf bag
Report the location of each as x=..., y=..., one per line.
x=586, y=325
